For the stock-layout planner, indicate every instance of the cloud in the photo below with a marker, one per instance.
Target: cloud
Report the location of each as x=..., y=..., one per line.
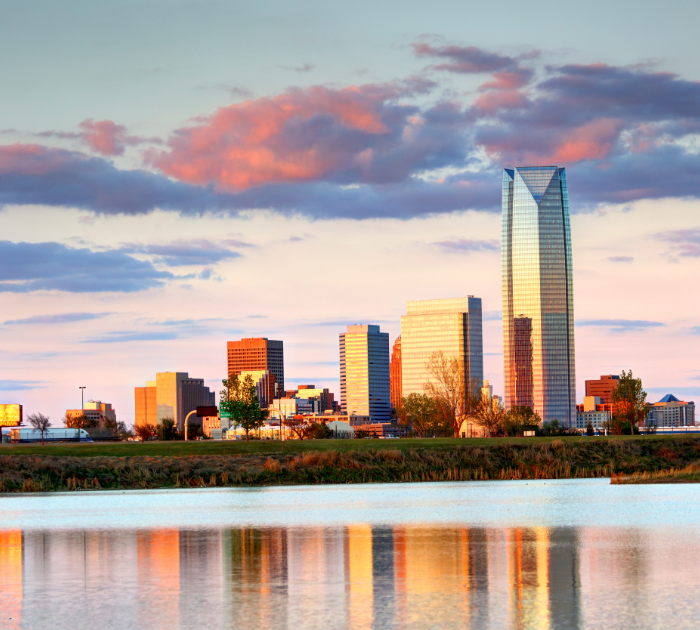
x=492, y=316
x=51, y=266
x=241, y=92
x=622, y=259
x=303, y=68
x=128, y=336
x=468, y=245
x=620, y=325
x=181, y=253
x=383, y=149
x=685, y=242
x=107, y=138
x=62, y=318
x=18, y=386
x=695, y=330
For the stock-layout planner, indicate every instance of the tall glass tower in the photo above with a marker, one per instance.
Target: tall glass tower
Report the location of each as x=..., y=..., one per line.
x=538, y=294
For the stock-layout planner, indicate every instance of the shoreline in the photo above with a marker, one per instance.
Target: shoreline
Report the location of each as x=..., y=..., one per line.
x=624, y=461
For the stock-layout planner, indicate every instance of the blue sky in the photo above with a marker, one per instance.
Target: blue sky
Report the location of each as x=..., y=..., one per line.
x=176, y=174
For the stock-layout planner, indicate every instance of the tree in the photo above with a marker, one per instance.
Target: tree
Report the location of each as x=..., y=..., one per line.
x=167, y=430
x=299, y=425
x=489, y=416
x=421, y=411
x=81, y=422
x=145, y=431
x=240, y=399
x=630, y=401
x=455, y=399
x=519, y=417
x=40, y=423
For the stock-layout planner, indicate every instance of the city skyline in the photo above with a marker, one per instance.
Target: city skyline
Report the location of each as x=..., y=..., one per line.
x=144, y=222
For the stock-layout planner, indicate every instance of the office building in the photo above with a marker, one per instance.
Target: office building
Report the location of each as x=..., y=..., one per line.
x=94, y=410
x=452, y=326
x=322, y=398
x=256, y=354
x=538, y=302
x=364, y=372
x=395, y=375
x=265, y=385
x=593, y=411
x=603, y=388
x=671, y=412
x=171, y=396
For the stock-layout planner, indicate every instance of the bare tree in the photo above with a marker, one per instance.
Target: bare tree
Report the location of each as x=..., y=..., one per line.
x=489, y=416
x=299, y=426
x=145, y=431
x=40, y=423
x=455, y=397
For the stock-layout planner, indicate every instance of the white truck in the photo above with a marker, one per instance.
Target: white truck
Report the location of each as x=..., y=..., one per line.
x=50, y=435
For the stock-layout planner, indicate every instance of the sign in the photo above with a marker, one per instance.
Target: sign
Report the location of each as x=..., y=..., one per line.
x=10, y=415
x=225, y=411
x=207, y=412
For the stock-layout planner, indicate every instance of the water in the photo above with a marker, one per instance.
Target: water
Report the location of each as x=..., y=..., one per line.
x=520, y=554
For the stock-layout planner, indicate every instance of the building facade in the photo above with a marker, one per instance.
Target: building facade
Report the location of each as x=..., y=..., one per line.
x=595, y=411
x=94, y=410
x=265, y=385
x=671, y=412
x=538, y=302
x=452, y=326
x=171, y=396
x=364, y=372
x=395, y=389
x=255, y=354
x=603, y=388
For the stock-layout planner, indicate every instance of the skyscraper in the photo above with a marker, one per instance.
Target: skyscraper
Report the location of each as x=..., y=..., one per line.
x=364, y=372
x=538, y=294
x=257, y=353
x=452, y=326
x=395, y=374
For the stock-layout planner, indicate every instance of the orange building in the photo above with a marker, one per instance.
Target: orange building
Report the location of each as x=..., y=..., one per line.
x=603, y=387
x=255, y=354
x=146, y=405
x=395, y=388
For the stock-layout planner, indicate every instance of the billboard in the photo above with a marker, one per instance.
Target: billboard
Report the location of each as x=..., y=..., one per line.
x=10, y=415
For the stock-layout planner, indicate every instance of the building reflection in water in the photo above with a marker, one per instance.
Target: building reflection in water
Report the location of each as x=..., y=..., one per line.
x=356, y=577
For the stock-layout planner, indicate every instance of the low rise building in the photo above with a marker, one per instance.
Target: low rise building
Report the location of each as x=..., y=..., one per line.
x=593, y=411
x=95, y=411
x=671, y=412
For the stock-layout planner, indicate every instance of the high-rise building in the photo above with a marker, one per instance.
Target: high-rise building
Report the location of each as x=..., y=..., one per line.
x=452, y=326
x=395, y=374
x=364, y=372
x=264, y=385
x=172, y=395
x=253, y=354
x=603, y=387
x=538, y=293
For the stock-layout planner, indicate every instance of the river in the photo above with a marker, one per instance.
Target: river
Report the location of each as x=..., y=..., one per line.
x=499, y=554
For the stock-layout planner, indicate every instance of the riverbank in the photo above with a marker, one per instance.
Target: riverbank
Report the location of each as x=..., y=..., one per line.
x=689, y=474
x=374, y=461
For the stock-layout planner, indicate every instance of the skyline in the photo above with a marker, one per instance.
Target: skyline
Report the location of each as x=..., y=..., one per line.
x=402, y=204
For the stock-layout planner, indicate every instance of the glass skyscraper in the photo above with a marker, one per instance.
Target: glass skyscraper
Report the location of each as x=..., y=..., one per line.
x=538, y=294
x=364, y=372
x=452, y=326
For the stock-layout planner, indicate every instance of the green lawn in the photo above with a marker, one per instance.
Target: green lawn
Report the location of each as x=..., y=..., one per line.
x=156, y=449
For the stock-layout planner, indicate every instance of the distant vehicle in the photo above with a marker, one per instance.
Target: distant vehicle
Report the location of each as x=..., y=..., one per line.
x=50, y=435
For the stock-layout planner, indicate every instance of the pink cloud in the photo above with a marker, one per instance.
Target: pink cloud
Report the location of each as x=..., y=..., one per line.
x=301, y=135
x=104, y=136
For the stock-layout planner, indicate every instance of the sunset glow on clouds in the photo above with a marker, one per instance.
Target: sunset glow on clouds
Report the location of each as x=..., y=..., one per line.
x=289, y=211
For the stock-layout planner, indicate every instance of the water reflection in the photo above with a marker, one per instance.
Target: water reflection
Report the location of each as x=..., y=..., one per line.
x=353, y=577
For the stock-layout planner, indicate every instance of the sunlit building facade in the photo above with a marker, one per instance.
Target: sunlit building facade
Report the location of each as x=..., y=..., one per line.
x=254, y=354
x=538, y=294
x=364, y=372
x=451, y=326
x=395, y=374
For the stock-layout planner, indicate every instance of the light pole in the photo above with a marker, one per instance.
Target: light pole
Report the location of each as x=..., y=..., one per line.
x=82, y=399
x=186, y=419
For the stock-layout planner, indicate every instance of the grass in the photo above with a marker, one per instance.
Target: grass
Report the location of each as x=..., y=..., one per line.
x=689, y=474
x=71, y=467
x=233, y=447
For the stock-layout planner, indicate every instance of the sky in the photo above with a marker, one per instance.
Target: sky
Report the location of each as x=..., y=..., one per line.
x=177, y=174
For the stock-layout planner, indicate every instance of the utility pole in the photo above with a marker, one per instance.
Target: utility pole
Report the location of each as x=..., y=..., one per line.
x=82, y=399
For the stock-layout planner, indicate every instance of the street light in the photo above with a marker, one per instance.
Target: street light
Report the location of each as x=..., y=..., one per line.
x=82, y=399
